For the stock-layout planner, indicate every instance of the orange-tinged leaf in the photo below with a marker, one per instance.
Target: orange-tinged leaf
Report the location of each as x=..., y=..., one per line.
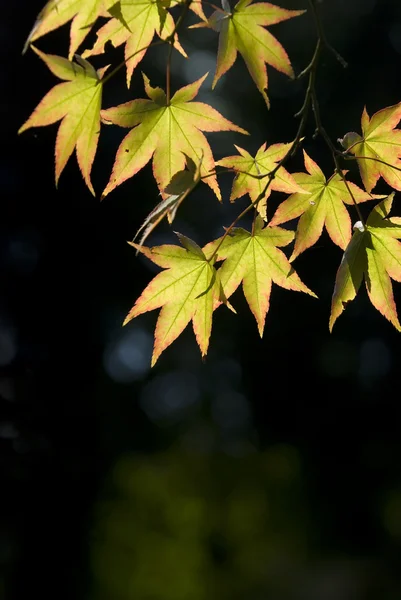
x=141, y=19
x=379, y=217
x=77, y=102
x=251, y=170
x=243, y=30
x=349, y=275
x=374, y=253
x=324, y=206
x=195, y=6
x=188, y=289
x=380, y=140
x=378, y=285
x=166, y=132
x=256, y=261
x=56, y=13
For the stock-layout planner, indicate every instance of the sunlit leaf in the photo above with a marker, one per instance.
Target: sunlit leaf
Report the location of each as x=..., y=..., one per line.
x=168, y=132
x=141, y=19
x=56, y=13
x=256, y=260
x=188, y=289
x=374, y=254
x=379, y=140
x=77, y=104
x=324, y=206
x=252, y=174
x=242, y=30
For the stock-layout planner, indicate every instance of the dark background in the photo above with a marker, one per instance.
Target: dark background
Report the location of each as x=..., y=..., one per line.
x=271, y=470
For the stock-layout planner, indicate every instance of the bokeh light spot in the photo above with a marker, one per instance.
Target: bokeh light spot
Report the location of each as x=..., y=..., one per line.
x=128, y=358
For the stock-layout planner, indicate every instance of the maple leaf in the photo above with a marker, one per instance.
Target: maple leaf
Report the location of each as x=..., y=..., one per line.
x=242, y=30
x=323, y=206
x=374, y=254
x=251, y=169
x=77, y=103
x=256, y=260
x=56, y=13
x=141, y=20
x=165, y=131
x=381, y=141
x=188, y=289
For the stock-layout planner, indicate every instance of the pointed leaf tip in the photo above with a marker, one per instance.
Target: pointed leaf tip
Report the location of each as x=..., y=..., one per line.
x=188, y=289
x=76, y=103
x=378, y=150
x=152, y=130
x=373, y=254
x=243, y=30
x=257, y=262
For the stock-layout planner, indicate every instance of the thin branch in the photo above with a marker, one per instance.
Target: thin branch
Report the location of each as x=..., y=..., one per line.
x=322, y=35
x=312, y=62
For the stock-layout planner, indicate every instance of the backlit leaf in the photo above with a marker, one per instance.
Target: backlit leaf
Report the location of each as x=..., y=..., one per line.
x=188, y=289
x=77, y=103
x=243, y=30
x=379, y=140
x=256, y=261
x=250, y=180
x=374, y=254
x=167, y=132
x=141, y=20
x=323, y=206
x=56, y=13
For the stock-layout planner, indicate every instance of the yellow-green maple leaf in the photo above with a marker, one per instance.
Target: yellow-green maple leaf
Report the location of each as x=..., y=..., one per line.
x=323, y=206
x=249, y=180
x=168, y=132
x=374, y=254
x=77, y=103
x=141, y=20
x=188, y=289
x=56, y=13
x=255, y=259
x=379, y=140
x=242, y=29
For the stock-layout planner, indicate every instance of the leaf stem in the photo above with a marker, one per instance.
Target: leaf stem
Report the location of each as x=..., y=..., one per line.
x=379, y=160
x=168, y=73
x=232, y=170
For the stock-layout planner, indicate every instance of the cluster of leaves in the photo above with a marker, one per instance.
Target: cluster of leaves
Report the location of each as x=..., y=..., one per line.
x=169, y=129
